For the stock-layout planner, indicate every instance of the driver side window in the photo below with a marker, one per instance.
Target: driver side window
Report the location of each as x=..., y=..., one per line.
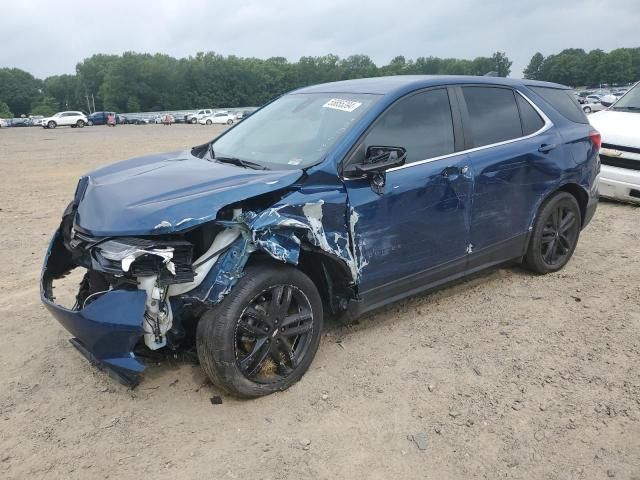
x=420, y=123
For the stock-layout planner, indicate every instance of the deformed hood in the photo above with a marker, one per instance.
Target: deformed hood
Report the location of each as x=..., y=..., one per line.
x=166, y=193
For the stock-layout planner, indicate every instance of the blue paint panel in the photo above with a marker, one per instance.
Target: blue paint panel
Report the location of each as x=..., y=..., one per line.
x=168, y=193
x=419, y=222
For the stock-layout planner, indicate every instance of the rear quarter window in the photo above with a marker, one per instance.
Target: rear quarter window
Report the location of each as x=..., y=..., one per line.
x=563, y=102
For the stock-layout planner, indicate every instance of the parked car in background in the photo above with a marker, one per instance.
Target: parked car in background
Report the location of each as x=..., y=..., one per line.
x=619, y=126
x=220, y=118
x=4, y=123
x=36, y=120
x=136, y=120
x=200, y=114
x=21, y=122
x=592, y=107
x=338, y=198
x=100, y=118
x=71, y=119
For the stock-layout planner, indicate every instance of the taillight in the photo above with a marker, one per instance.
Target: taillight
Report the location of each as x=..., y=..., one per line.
x=596, y=139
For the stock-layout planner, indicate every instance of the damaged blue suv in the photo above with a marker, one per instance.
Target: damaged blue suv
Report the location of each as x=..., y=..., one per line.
x=333, y=199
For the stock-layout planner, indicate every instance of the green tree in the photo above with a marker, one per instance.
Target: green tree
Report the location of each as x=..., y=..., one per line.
x=534, y=69
x=18, y=89
x=4, y=110
x=45, y=106
x=502, y=64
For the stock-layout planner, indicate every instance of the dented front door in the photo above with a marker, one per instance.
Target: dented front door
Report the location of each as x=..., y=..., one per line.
x=415, y=229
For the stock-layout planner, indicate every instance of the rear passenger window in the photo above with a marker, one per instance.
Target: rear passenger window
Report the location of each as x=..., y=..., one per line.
x=531, y=121
x=421, y=123
x=564, y=102
x=493, y=114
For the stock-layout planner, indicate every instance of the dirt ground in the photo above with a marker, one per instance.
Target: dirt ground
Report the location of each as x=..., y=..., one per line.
x=506, y=375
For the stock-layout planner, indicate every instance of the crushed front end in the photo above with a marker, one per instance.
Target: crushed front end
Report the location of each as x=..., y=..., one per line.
x=131, y=289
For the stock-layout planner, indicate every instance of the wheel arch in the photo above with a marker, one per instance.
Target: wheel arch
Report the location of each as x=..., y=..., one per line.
x=330, y=275
x=580, y=195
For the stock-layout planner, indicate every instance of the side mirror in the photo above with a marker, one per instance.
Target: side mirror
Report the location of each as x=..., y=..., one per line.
x=378, y=159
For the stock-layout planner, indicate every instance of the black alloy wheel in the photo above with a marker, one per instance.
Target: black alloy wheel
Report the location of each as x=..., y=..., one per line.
x=263, y=336
x=559, y=235
x=555, y=234
x=273, y=334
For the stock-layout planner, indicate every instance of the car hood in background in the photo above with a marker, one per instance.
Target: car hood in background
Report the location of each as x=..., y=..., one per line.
x=166, y=193
x=618, y=128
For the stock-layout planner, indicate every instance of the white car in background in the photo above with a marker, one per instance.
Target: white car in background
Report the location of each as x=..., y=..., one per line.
x=592, y=107
x=199, y=115
x=220, y=117
x=619, y=127
x=4, y=123
x=70, y=119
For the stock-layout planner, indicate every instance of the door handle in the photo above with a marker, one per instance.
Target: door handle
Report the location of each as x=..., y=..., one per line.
x=452, y=173
x=544, y=148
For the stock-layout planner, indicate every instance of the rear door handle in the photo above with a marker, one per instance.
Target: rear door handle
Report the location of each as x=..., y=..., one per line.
x=544, y=148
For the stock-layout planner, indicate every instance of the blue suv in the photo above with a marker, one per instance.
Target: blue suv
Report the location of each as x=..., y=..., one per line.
x=334, y=199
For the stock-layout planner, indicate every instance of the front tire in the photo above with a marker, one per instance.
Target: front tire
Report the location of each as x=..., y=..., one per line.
x=555, y=234
x=229, y=122
x=194, y=121
x=51, y=124
x=263, y=336
x=587, y=109
x=209, y=122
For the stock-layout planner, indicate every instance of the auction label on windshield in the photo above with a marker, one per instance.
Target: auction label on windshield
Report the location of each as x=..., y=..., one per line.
x=340, y=104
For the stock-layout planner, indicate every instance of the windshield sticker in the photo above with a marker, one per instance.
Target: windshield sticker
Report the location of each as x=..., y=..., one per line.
x=295, y=161
x=340, y=104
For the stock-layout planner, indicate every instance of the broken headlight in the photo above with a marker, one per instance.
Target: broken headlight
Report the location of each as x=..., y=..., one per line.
x=171, y=260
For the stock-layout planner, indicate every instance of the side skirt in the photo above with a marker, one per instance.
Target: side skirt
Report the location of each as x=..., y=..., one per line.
x=438, y=276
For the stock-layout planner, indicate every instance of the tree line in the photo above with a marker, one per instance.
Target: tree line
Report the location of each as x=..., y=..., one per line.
x=134, y=82
x=575, y=67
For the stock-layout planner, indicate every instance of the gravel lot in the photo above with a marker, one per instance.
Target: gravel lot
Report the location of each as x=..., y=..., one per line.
x=507, y=375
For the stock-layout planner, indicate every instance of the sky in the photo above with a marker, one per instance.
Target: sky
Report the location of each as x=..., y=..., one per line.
x=50, y=37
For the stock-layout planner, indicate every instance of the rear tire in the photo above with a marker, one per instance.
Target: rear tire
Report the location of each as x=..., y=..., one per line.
x=587, y=109
x=194, y=121
x=263, y=336
x=80, y=123
x=555, y=234
x=209, y=122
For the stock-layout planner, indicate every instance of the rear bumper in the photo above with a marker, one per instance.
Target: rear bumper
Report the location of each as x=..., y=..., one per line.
x=619, y=183
x=107, y=329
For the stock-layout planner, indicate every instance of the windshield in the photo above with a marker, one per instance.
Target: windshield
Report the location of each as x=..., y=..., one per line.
x=295, y=131
x=631, y=101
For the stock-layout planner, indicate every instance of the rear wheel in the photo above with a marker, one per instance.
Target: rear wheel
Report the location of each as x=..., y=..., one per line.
x=209, y=122
x=80, y=123
x=555, y=234
x=264, y=335
x=587, y=109
x=194, y=120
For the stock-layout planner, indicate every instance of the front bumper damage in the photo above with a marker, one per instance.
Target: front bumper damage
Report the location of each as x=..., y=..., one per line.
x=106, y=328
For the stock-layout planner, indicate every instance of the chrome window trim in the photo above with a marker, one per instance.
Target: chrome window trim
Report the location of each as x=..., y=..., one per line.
x=547, y=125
